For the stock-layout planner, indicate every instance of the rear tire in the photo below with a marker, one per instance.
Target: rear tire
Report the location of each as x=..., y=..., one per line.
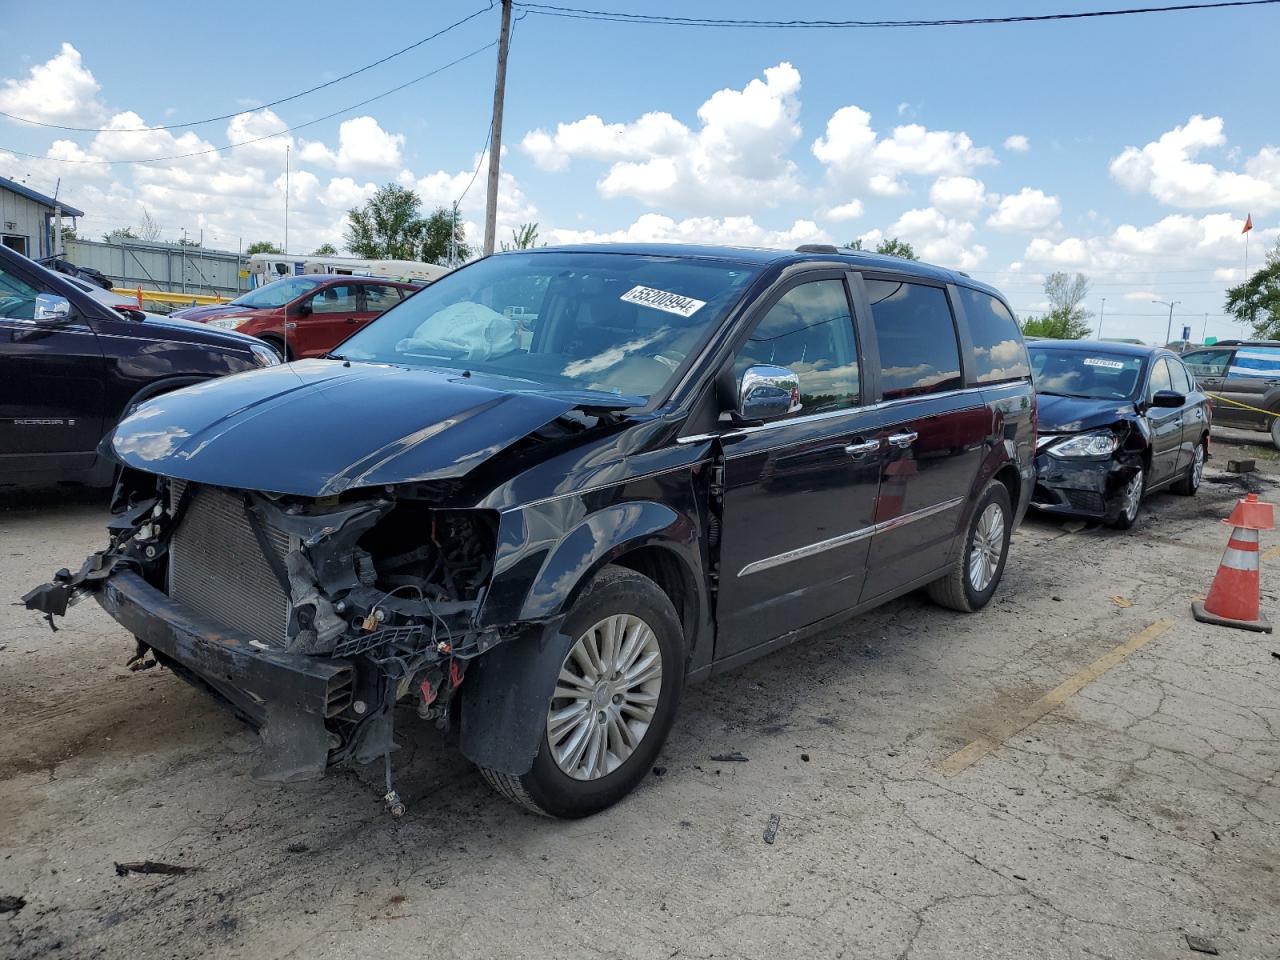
x=1190, y=483
x=976, y=572
x=614, y=704
x=1275, y=431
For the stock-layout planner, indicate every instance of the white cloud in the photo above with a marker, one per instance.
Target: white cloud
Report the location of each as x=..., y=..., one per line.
x=60, y=90
x=855, y=154
x=939, y=239
x=959, y=196
x=1028, y=209
x=735, y=161
x=1140, y=296
x=738, y=231
x=1017, y=143
x=1172, y=243
x=1167, y=169
x=846, y=211
x=362, y=145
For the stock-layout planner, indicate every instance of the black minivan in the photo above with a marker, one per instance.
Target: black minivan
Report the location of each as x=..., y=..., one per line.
x=543, y=494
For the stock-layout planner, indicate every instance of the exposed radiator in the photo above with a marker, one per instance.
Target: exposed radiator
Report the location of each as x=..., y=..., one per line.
x=217, y=568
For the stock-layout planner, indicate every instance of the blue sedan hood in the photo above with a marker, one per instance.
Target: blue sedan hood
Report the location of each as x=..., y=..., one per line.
x=1059, y=414
x=318, y=427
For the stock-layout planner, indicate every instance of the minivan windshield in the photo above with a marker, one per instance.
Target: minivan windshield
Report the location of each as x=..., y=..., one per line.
x=1092, y=374
x=611, y=323
x=277, y=293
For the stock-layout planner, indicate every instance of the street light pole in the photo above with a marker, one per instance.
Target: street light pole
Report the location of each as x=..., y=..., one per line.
x=1168, y=330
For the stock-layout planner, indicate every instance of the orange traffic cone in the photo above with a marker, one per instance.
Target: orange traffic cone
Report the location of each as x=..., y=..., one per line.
x=1233, y=598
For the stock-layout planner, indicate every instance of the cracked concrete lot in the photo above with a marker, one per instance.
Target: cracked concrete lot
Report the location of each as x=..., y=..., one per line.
x=1141, y=809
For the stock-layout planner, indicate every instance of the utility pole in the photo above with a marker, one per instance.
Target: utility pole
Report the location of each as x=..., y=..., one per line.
x=286, y=199
x=495, y=131
x=1168, y=330
x=1102, y=316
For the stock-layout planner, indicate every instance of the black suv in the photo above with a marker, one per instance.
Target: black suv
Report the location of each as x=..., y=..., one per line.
x=543, y=494
x=72, y=365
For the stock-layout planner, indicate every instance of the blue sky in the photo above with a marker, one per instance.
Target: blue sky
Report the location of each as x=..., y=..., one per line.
x=702, y=134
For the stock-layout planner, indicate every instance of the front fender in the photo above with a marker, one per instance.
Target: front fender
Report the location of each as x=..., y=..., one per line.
x=595, y=541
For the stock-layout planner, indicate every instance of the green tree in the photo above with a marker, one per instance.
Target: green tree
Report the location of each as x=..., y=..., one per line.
x=388, y=226
x=1066, y=319
x=526, y=238
x=68, y=234
x=261, y=246
x=118, y=234
x=325, y=250
x=443, y=239
x=889, y=246
x=1257, y=300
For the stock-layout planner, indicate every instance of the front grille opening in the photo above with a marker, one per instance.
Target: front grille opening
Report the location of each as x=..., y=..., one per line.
x=448, y=553
x=217, y=567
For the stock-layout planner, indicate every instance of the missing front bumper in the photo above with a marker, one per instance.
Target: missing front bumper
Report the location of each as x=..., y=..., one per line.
x=286, y=696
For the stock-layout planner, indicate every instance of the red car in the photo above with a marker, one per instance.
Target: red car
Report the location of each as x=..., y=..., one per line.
x=305, y=316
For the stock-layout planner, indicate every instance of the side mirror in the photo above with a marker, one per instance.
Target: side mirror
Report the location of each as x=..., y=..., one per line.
x=303, y=308
x=51, y=308
x=1168, y=398
x=767, y=393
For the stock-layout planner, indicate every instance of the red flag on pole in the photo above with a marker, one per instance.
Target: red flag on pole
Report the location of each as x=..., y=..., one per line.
x=1248, y=223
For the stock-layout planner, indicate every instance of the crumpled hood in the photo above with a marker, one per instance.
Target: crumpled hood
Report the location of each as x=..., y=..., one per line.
x=1074, y=414
x=319, y=427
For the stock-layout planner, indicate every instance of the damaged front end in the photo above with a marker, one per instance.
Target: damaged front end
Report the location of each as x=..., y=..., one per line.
x=1088, y=473
x=309, y=617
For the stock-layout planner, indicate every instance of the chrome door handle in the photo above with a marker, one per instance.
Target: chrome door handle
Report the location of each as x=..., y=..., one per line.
x=903, y=440
x=858, y=449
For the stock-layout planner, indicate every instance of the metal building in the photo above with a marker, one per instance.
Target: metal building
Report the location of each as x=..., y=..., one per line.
x=27, y=219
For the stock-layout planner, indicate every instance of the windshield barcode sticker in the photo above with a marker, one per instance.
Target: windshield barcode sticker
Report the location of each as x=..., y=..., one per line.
x=662, y=300
x=1109, y=364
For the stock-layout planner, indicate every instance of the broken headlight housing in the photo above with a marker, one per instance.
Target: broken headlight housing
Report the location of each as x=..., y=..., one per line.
x=1101, y=443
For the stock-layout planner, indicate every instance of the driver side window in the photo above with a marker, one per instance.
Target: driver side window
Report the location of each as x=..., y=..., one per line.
x=17, y=297
x=810, y=332
x=339, y=298
x=1160, y=379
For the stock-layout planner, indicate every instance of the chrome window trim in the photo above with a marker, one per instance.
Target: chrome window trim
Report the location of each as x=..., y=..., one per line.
x=854, y=536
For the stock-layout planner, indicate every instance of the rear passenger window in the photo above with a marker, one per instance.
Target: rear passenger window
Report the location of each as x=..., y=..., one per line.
x=1255, y=363
x=998, y=351
x=917, y=337
x=809, y=331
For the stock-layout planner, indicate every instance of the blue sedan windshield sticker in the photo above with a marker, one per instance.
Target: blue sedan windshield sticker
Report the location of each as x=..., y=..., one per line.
x=662, y=300
x=1109, y=364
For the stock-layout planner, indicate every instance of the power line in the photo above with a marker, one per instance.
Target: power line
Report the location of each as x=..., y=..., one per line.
x=261, y=106
x=278, y=133
x=578, y=13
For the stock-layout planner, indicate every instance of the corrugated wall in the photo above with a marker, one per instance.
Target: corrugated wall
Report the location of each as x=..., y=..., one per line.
x=162, y=266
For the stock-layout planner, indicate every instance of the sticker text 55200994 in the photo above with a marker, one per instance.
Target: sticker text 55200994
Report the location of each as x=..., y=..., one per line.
x=663, y=300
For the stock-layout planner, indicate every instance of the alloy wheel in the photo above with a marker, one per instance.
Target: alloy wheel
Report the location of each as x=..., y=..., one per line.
x=1133, y=495
x=987, y=547
x=1197, y=467
x=605, y=698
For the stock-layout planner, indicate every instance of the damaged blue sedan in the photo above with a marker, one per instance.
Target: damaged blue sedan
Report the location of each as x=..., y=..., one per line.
x=1117, y=421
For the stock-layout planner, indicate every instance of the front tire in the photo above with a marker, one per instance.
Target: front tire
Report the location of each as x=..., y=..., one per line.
x=976, y=573
x=1131, y=502
x=614, y=702
x=1275, y=431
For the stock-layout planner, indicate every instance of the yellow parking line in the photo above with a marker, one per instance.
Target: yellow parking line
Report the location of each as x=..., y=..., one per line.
x=971, y=754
